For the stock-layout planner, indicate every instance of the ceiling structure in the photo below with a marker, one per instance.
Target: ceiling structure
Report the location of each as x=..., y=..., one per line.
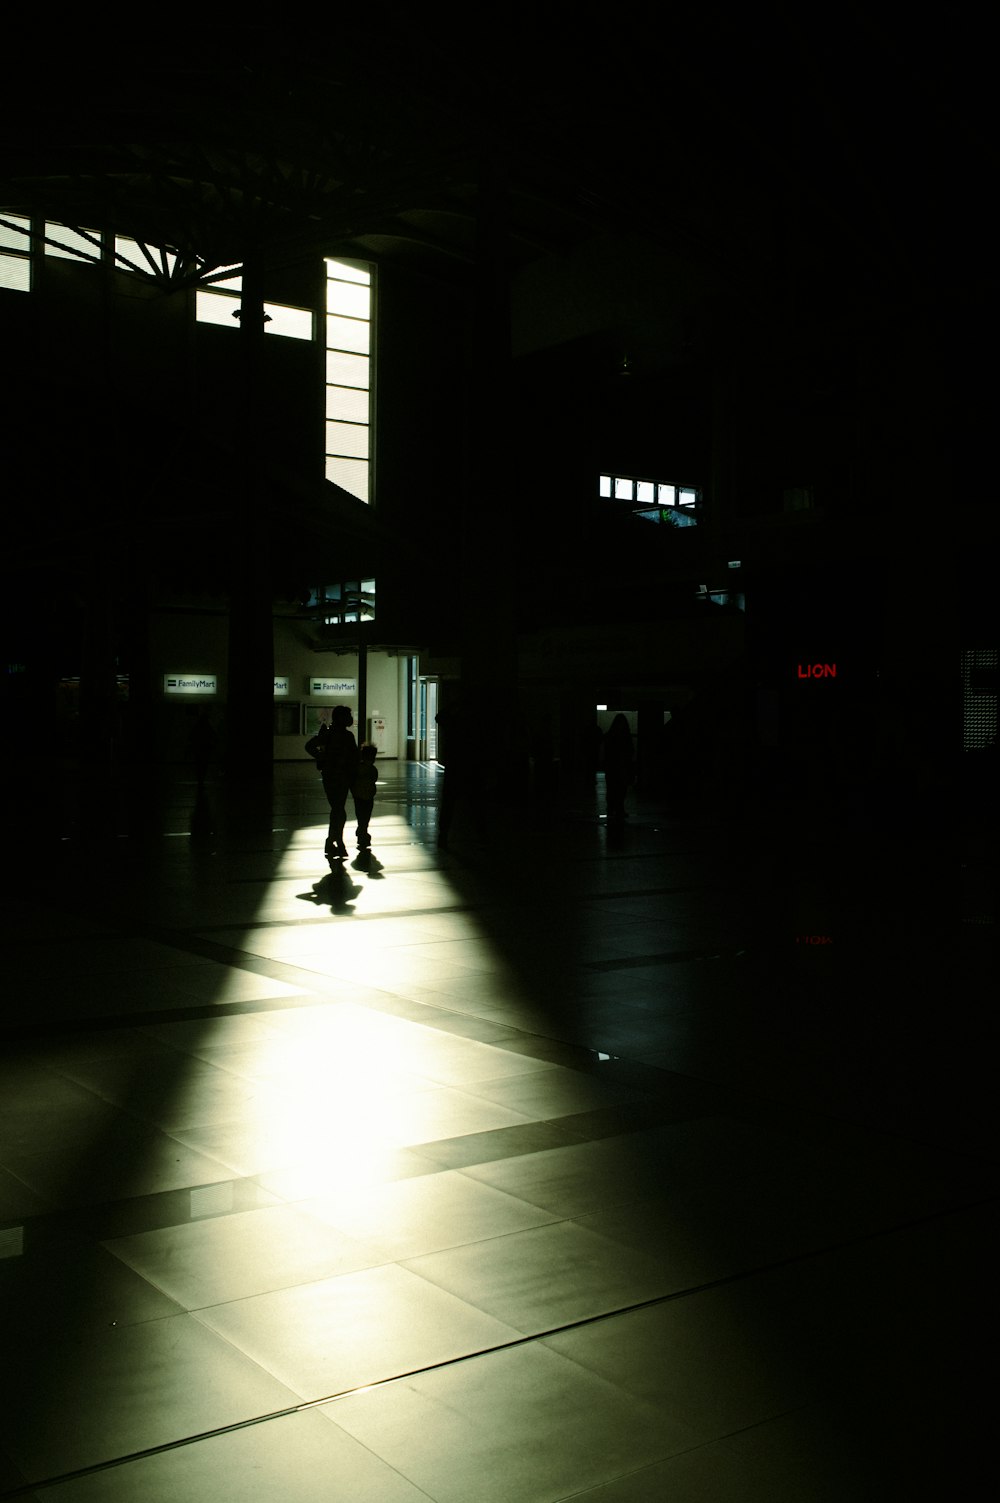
x=767, y=145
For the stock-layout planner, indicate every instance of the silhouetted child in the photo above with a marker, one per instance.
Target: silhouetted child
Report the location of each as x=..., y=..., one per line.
x=364, y=791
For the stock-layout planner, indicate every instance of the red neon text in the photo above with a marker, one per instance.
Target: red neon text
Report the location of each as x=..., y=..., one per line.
x=814, y=939
x=818, y=670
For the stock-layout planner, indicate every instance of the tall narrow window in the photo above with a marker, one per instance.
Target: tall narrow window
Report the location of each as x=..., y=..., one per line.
x=348, y=377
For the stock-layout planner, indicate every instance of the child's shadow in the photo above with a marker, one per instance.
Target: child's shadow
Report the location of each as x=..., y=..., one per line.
x=368, y=862
x=335, y=890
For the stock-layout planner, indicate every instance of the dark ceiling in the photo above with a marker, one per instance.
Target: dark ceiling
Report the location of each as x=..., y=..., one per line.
x=827, y=143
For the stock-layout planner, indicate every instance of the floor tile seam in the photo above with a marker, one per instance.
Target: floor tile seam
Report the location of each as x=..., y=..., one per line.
x=740, y=1103
x=312, y=984
x=315, y=992
x=202, y=1012
x=61, y=1027
x=73, y=1216
x=405, y=914
x=522, y=1340
x=306, y=1405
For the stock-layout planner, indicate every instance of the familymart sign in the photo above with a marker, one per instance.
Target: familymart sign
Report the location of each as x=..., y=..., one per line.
x=190, y=684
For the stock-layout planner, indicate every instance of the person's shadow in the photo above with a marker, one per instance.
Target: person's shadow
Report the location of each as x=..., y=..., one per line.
x=367, y=862
x=335, y=891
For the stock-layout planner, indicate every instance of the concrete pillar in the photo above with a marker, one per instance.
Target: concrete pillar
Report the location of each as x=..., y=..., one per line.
x=250, y=677
x=489, y=658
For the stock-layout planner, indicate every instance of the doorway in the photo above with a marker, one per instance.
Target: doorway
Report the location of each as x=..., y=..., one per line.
x=427, y=730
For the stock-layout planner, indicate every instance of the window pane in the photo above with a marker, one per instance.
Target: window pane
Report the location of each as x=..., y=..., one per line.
x=668, y=494
x=346, y=273
x=687, y=498
x=347, y=438
x=293, y=323
x=604, y=485
x=79, y=248
x=15, y=273
x=346, y=403
x=134, y=252
x=350, y=474
x=17, y=239
x=214, y=308
x=347, y=334
x=229, y=284
x=346, y=370
x=623, y=490
x=644, y=491
x=131, y=251
x=345, y=297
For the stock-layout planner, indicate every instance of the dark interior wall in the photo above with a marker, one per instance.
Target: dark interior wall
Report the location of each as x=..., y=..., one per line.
x=119, y=377
x=94, y=360
x=421, y=459
x=288, y=434
x=288, y=428
x=793, y=423
x=97, y=402
x=123, y=420
x=658, y=425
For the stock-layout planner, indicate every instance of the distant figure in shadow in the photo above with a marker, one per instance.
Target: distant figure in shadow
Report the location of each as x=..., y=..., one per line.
x=619, y=766
x=363, y=789
x=202, y=742
x=336, y=754
x=593, y=746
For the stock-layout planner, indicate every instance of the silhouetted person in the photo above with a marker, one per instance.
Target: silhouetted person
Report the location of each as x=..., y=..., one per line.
x=202, y=741
x=336, y=754
x=619, y=765
x=363, y=789
x=593, y=746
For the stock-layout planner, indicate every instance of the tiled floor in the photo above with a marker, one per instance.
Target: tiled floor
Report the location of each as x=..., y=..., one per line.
x=657, y=1166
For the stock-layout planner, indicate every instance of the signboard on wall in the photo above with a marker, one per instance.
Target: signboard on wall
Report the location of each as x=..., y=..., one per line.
x=282, y=687
x=320, y=687
x=190, y=683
